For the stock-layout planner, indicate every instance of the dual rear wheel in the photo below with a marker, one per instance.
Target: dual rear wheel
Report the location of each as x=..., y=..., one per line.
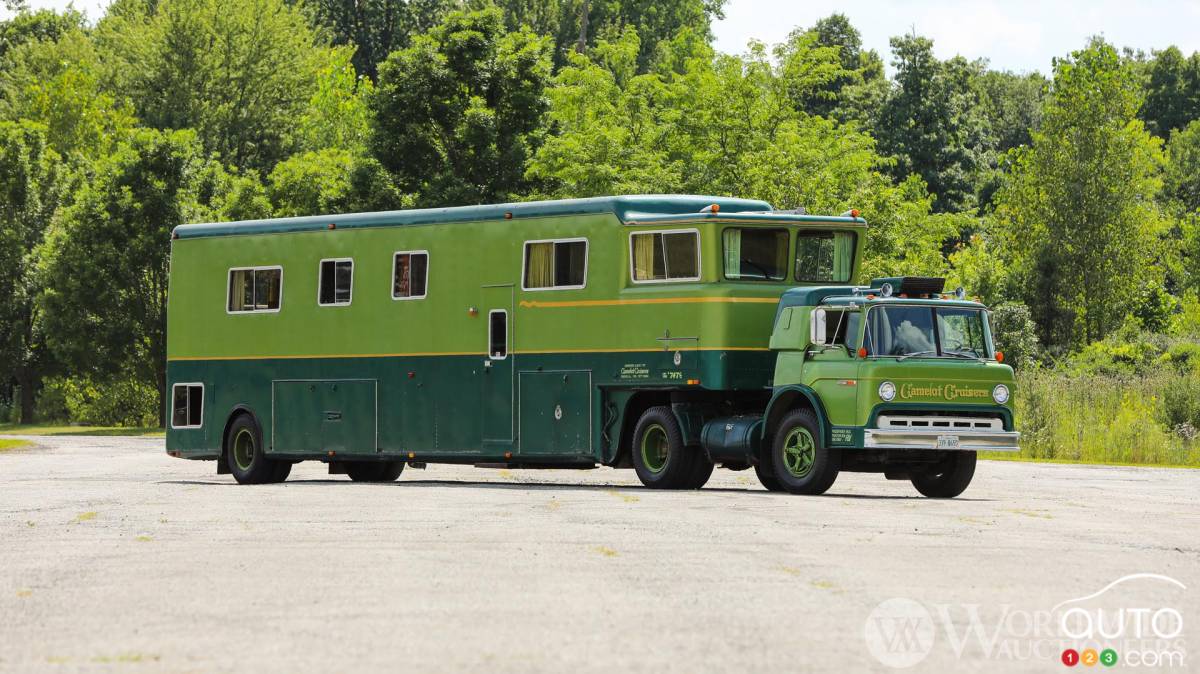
x=661, y=459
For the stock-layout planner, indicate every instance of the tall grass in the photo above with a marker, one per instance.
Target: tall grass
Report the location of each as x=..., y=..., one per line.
x=1149, y=419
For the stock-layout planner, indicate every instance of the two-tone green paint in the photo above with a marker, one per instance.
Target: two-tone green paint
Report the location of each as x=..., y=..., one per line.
x=383, y=377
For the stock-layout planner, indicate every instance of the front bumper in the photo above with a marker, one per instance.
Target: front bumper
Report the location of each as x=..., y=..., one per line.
x=967, y=441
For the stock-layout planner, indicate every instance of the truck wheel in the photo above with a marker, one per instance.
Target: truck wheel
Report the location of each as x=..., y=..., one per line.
x=948, y=480
x=702, y=469
x=767, y=477
x=244, y=454
x=659, y=456
x=374, y=471
x=801, y=464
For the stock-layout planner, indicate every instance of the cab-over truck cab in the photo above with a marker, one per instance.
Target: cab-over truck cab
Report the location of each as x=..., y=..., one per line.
x=896, y=378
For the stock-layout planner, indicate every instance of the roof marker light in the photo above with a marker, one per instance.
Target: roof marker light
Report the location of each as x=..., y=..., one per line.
x=711, y=208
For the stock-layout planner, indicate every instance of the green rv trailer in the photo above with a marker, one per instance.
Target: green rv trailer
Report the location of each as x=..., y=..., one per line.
x=664, y=333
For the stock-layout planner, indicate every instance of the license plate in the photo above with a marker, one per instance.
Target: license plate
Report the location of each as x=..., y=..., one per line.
x=947, y=442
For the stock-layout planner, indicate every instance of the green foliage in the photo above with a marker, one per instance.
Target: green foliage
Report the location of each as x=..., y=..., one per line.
x=121, y=401
x=1181, y=180
x=1172, y=92
x=1013, y=105
x=30, y=191
x=933, y=123
x=337, y=114
x=456, y=115
x=1077, y=220
x=44, y=25
x=1105, y=418
x=1015, y=335
x=104, y=264
x=331, y=181
x=58, y=84
x=238, y=73
x=376, y=28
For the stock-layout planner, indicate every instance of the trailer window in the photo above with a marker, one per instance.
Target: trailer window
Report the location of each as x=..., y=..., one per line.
x=187, y=406
x=498, y=334
x=255, y=289
x=824, y=256
x=410, y=271
x=756, y=254
x=555, y=264
x=665, y=256
x=336, y=282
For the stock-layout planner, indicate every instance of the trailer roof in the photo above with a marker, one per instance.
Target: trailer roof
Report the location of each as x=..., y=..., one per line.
x=631, y=210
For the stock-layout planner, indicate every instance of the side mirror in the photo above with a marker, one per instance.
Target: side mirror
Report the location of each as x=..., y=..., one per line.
x=818, y=327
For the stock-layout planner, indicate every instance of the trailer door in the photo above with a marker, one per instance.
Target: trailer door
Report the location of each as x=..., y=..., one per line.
x=496, y=306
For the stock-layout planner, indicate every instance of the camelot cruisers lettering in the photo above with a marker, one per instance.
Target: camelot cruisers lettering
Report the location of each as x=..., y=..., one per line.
x=668, y=334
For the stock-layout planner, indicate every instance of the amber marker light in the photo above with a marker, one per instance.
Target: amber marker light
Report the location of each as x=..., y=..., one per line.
x=854, y=212
x=508, y=455
x=862, y=352
x=693, y=382
x=412, y=455
x=999, y=356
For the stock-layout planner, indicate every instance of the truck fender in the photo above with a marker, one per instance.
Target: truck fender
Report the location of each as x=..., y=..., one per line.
x=787, y=398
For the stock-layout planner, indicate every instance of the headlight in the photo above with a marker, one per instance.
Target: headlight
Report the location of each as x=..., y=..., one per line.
x=887, y=391
x=1000, y=393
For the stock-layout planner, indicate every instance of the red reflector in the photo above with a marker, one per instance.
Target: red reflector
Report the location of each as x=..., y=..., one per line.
x=332, y=226
x=862, y=352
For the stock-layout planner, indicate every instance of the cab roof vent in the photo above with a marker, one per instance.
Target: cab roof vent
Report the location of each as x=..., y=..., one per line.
x=913, y=285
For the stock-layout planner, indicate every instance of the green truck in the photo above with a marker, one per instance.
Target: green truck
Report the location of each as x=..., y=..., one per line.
x=667, y=333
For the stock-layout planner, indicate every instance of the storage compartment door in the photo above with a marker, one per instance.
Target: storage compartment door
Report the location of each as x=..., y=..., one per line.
x=556, y=413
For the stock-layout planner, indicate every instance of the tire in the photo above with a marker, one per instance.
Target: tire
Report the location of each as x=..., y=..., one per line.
x=801, y=462
x=659, y=455
x=950, y=479
x=702, y=470
x=245, y=456
x=766, y=476
x=374, y=471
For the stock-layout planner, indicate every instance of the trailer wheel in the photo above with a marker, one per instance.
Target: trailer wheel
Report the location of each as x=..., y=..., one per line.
x=373, y=471
x=659, y=455
x=766, y=475
x=801, y=464
x=244, y=454
x=949, y=479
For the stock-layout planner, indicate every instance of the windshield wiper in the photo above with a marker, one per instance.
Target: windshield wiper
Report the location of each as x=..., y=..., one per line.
x=961, y=354
x=915, y=353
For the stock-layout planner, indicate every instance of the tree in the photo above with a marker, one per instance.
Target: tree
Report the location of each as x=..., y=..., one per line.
x=621, y=132
x=860, y=75
x=105, y=261
x=376, y=28
x=30, y=191
x=241, y=74
x=1172, y=92
x=1077, y=218
x=59, y=84
x=330, y=181
x=932, y=123
x=456, y=116
x=337, y=115
x=44, y=25
x=1182, y=177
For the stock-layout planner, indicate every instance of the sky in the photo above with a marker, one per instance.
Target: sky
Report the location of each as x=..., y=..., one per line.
x=1018, y=35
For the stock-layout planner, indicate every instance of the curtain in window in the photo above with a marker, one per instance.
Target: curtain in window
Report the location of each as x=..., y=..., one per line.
x=237, y=290
x=733, y=253
x=643, y=256
x=843, y=255
x=539, y=265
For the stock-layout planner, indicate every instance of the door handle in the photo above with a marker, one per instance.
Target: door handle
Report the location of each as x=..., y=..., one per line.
x=333, y=415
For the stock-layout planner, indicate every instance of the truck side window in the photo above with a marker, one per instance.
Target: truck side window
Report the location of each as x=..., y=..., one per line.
x=665, y=256
x=823, y=257
x=843, y=328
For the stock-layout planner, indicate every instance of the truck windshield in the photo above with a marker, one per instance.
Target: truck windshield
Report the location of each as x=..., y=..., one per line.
x=935, y=332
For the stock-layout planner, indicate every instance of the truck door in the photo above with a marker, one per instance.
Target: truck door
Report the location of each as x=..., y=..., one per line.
x=496, y=307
